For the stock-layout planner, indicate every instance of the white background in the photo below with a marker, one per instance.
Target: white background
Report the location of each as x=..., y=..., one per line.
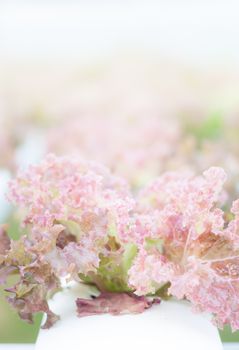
x=201, y=32
x=31, y=347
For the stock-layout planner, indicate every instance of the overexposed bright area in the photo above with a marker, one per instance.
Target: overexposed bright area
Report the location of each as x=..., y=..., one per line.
x=201, y=32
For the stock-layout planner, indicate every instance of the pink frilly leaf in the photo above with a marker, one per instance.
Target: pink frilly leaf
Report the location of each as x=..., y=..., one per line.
x=114, y=304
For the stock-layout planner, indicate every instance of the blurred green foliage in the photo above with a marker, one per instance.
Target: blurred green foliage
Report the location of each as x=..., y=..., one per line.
x=12, y=329
x=211, y=128
x=228, y=336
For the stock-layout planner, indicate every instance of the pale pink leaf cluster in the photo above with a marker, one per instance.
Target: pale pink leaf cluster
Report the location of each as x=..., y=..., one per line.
x=136, y=148
x=84, y=222
x=200, y=257
x=72, y=196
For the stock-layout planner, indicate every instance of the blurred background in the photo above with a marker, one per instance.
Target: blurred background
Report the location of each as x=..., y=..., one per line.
x=142, y=86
